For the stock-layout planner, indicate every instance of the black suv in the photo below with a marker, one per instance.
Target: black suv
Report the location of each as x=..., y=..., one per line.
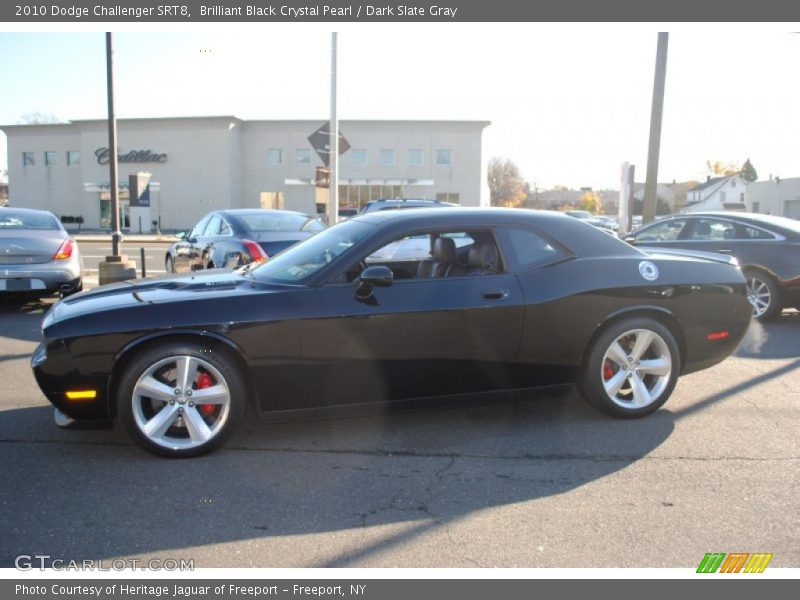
x=396, y=203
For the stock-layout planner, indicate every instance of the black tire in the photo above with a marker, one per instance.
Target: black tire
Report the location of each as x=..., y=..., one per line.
x=211, y=360
x=599, y=371
x=761, y=287
x=169, y=265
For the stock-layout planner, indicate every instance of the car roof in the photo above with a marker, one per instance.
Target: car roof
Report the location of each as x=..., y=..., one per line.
x=774, y=222
x=240, y=212
x=579, y=236
x=27, y=210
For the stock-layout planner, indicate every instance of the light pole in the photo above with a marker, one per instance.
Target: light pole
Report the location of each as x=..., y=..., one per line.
x=333, y=182
x=116, y=267
x=657, y=110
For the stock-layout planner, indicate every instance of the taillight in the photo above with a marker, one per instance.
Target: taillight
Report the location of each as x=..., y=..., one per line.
x=257, y=253
x=65, y=250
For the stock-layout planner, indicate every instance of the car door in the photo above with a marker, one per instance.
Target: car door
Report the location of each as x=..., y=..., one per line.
x=419, y=337
x=750, y=245
x=184, y=252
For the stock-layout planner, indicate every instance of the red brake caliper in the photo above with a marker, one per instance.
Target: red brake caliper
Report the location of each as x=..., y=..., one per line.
x=608, y=370
x=205, y=381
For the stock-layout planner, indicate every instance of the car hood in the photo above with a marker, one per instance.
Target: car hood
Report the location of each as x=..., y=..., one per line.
x=211, y=283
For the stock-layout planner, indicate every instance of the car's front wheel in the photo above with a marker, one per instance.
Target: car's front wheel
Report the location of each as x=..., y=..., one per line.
x=181, y=399
x=631, y=368
x=763, y=294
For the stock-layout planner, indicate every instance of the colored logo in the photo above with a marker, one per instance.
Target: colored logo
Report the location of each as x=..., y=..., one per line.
x=737, y=562
x=648, y=270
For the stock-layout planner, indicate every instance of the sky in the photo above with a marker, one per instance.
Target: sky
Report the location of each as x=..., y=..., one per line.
x=568, y=103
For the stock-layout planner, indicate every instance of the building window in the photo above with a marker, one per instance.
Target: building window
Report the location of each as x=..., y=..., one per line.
x=49, y=158
x=756, y=207
x=28, y=159
x=741, y=197
x=448, y=197
x=722, y=197
x=303, y=156
x=733, y=183
x=359, y=157
x=387, y=157
x=415, y=157
x=444, y=157
x=73, y=158
x=274, y=156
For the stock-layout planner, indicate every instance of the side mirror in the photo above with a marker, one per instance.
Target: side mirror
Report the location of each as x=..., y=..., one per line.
x=378, y=276
x=372, y=277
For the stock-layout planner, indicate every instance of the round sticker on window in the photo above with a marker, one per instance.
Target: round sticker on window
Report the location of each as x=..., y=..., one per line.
x=648, y=270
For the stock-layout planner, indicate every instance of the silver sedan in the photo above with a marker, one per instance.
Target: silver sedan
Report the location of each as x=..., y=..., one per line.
x=37, y=255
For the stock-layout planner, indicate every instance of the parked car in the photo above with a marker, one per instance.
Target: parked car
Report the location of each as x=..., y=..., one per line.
x=531, y=299
x=767, y=248
x=400, y=203
x=232, y=238
x=37, y=255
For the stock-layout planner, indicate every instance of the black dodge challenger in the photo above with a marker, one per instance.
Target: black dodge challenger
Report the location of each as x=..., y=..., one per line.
x=393, y=306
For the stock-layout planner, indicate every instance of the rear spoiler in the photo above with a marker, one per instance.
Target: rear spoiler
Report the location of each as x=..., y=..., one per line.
x=712, y=256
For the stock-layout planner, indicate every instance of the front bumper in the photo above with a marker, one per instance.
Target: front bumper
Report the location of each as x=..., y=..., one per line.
x=56, y=375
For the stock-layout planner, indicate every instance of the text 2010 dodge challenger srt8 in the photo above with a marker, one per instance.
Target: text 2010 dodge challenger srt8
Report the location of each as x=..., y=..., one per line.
x=392, y=306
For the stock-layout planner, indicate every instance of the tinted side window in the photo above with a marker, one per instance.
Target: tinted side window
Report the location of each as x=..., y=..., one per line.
x=224, y=228
x=712, y=230
x=200, y=227
x=745, y=232
x=213, y=227
x=526, y=249
x=662, y=232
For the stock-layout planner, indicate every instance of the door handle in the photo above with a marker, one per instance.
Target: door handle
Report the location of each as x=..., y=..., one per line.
x=498, y=295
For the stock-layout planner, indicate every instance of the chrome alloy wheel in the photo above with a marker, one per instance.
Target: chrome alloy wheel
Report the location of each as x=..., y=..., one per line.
x=181, y=402
x=636, y=368
x=758, y=294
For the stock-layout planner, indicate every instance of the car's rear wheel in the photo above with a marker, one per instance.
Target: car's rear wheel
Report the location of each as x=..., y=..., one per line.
x=763, y=294
x=631, y=368
x=181, y=399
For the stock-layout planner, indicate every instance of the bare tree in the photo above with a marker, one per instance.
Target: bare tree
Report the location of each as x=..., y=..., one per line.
x=38, y=118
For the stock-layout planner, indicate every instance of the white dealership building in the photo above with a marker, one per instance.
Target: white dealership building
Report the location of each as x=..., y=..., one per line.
x=198, y=164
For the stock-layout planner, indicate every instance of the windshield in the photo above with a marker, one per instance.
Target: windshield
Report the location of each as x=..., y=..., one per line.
x=25, y=220
x=306, y=258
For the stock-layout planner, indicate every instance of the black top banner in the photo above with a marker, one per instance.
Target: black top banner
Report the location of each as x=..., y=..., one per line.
x=461, y=11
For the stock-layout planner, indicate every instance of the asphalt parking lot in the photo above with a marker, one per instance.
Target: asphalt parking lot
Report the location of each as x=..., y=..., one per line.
x=547, y=482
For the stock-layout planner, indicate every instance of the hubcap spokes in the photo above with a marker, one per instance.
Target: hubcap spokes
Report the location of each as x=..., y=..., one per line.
x=636, y=368
x=181, y=402
x=759, y=295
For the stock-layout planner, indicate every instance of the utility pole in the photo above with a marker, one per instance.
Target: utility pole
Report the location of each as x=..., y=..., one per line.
x=649, y=208
x=333, y=189
x=116, y=267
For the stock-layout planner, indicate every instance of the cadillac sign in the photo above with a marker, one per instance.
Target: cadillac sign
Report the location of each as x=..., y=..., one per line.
x=134, y=156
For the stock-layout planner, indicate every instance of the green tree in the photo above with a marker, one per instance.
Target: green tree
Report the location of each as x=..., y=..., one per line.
x=506, y=185
x=749, y=172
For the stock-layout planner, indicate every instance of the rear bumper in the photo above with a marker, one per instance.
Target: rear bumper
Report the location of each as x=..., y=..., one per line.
x=45, y=278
